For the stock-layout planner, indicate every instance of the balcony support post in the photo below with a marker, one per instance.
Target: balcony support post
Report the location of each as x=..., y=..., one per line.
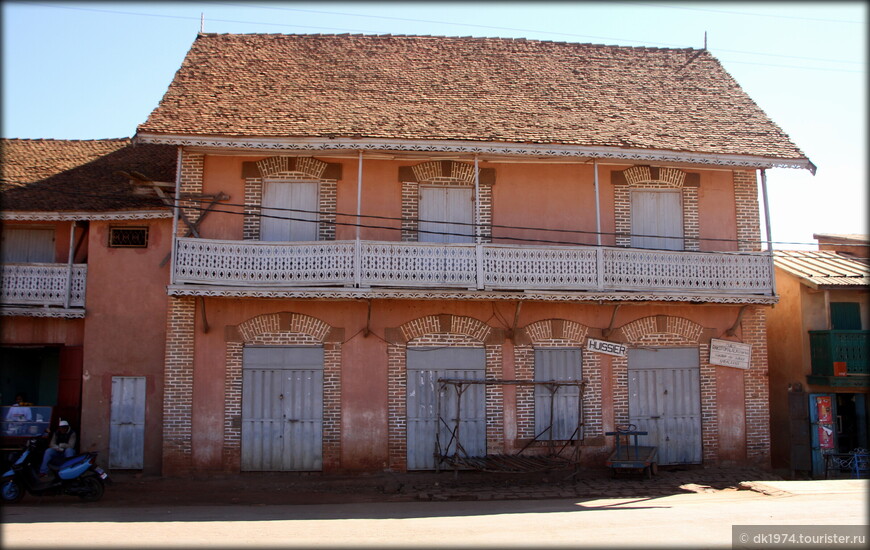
x=175, y=212
x=69, y=265
x=477, y=245
x=767, y=230
x=357, y=249
x=599, y=252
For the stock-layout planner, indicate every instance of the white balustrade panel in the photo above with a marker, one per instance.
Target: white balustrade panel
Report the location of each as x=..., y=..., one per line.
x=417, y=264
x=261, y=263
x=43, y=284
x=441, y=265
x=638, y=269
x=528, y=267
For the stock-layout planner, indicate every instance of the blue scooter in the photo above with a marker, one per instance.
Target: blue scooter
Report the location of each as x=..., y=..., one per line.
x=78, y=475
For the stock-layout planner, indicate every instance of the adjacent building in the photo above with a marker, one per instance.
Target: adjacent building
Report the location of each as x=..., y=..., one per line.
x=818, y=351
x=85, y=257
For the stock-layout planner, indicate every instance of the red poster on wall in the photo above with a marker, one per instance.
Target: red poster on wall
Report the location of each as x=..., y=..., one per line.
x=823, y=408
x=826, y=437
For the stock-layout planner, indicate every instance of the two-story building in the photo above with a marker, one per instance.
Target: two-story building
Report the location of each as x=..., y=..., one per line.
x=818, y=350
x=408, y=212
x=85, y=257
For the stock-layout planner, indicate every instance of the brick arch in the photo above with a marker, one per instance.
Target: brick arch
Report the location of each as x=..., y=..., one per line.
x=642, y=330
x=440, y=330
x=446, y=324
x=283, y=329
x=445, y=173
x=556, y=333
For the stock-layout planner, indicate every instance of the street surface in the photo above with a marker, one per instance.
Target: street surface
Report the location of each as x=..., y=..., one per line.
x=697, y=520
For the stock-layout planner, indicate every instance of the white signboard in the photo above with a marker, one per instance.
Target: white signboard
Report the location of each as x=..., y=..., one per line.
x=730, y=354
x=610, y=348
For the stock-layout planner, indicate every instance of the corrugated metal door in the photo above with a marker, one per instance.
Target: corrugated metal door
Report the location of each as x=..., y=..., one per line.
x=298, y=224
x=127, y=423
x=658, y=214
x=664, y=399
x=557, y=364
x=425, y=366
x=282, y=409
x=446, y=214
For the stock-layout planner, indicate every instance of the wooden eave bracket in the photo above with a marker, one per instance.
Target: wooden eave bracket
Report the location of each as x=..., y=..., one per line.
x=733, y=330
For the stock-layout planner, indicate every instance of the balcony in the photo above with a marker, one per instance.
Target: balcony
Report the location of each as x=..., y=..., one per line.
x=469, y=267
x=833, y=346
x=43, y=290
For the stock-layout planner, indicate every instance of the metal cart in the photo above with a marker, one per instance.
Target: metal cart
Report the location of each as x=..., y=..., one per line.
x=630, y=457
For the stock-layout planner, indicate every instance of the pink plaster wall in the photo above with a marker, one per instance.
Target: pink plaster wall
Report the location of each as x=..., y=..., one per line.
x=125, y=331
x=717, y=211
x=364, y=366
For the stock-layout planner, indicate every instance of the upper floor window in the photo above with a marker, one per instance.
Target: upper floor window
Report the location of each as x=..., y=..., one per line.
x=657, y=219
x=128, y=237
x=446, y=214
x=289, y=211
x=845, y=316
x=27, y=245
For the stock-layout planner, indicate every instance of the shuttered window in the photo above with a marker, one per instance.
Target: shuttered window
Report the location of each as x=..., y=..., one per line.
x=446, y=215
x=845, y=316
x=657, y=219
x=27, y=245
x=289, y=211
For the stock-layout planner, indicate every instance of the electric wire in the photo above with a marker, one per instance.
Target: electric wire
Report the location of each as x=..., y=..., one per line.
x=323, y=218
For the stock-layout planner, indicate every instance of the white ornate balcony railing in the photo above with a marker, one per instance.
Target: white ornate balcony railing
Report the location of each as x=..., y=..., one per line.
x=486, y=266
x=43, y=285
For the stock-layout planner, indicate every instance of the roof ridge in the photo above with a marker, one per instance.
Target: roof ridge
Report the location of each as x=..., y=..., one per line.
x=443, y=37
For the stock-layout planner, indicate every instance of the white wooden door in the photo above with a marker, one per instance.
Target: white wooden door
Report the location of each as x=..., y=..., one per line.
x=26, y=245
x=127, y=423
x=657, y=219
x=664, y=399
x=425, y=366
x=289, y=211
x=282, y=408
x=446, y=215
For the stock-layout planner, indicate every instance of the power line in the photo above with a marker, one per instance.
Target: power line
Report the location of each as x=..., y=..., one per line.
x=512, y=29
x=336, y=214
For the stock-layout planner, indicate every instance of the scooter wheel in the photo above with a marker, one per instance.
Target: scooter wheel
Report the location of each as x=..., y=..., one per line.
x=92, y=489
x=11, y=491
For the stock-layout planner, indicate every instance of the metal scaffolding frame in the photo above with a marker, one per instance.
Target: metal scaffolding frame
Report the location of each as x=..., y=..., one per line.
x=504, y=463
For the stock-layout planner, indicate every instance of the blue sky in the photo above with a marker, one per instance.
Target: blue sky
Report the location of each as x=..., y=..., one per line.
x=89, y=70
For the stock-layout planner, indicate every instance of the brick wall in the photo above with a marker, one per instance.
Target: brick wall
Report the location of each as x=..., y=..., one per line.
x=748, y=217
x=754, y=332
x=192, y=165
x=178, y=386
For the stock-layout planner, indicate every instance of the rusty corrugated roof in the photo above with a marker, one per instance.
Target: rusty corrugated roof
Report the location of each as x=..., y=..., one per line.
x=823, y=268
x=463, y=88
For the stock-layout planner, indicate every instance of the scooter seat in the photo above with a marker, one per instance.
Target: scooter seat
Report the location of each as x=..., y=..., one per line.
x=61, y=462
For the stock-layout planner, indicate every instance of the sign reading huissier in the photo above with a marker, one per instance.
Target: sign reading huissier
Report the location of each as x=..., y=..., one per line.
x=730, y=354
x=603, y=346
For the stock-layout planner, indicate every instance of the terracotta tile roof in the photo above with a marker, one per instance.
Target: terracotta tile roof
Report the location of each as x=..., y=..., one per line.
x=461, y=88
x=823, y=268
x=79, y=175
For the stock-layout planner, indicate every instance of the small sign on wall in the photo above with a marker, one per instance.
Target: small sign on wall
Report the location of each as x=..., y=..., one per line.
x=730, y=354
x=603, y=346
